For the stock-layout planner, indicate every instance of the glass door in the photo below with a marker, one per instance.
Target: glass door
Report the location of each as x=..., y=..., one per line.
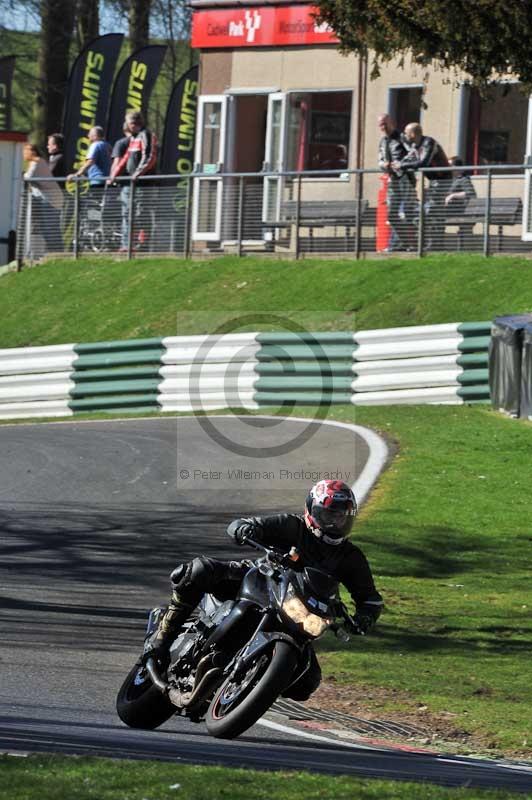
x=274, y=157
x=527, y=200
x=210, y=153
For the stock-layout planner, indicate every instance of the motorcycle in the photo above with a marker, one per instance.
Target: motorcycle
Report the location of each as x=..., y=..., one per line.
x=233, y=659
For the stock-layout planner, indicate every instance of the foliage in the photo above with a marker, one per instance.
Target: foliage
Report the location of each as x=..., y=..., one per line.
x=480, y=38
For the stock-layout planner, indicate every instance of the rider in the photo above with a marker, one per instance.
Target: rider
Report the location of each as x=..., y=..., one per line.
x=320, y=537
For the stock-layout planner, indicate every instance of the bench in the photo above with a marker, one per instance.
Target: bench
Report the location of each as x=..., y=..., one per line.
x=324, y=214
x=503, y=211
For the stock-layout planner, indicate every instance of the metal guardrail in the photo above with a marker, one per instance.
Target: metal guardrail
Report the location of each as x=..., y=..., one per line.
x=284, y=214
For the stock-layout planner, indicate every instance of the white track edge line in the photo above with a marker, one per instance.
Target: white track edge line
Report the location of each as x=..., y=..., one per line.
x=276, y=726
x=378, y=450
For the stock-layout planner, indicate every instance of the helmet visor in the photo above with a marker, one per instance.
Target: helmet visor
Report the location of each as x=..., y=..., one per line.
x=335, y=521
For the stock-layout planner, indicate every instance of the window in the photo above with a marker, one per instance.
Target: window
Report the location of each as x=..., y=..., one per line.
x=404, y=105
x=496, y=125
x=319, y=126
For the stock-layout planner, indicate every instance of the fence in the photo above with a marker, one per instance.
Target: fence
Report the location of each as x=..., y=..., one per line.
x=349, y=213
x=426, y=364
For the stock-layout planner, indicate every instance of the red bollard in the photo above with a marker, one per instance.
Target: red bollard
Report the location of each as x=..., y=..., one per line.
x=383, y=232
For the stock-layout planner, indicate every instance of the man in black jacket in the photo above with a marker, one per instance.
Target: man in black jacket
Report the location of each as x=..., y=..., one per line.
x=320, y=537
x=401, y=195
x=424, y=151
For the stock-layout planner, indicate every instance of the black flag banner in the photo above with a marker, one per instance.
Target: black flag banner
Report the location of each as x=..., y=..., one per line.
x=177, y=151
x=7, y=66
x=133, y=86
x=88, y=94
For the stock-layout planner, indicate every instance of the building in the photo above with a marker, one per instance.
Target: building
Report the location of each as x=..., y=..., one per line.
x=11, y=147
x=276, y=94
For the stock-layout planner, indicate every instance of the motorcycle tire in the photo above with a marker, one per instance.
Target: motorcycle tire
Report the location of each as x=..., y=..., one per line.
x=141, y=704
x=237, y=706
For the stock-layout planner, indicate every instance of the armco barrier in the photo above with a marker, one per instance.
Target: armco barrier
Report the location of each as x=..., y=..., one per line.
x=422, y=364
x=117, y=376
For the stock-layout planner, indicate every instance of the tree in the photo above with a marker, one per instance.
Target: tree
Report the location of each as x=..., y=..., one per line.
x=483, y=38
x=87, y=22
x=57, y=20
x=139, y=24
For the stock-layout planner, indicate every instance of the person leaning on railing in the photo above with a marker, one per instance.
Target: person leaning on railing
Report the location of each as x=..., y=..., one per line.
x=423, y=152
x=139, y=158
x=401, y=194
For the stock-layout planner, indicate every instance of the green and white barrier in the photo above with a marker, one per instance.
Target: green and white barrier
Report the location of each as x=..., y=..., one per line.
x=421, y=364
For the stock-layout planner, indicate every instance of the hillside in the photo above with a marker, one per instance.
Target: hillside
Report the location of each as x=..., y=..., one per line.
x=68, y=301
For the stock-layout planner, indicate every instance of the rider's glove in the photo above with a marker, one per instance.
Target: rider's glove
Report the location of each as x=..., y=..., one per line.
x=240, y=530
x=360, y=624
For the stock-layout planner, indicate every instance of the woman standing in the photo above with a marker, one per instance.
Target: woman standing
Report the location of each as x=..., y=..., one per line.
x=46, y=199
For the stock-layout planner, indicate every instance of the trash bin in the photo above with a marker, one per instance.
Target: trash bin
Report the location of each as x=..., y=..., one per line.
x=525, y=409
x=505, y=356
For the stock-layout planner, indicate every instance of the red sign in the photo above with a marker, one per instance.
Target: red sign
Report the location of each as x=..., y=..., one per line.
x=260, y=26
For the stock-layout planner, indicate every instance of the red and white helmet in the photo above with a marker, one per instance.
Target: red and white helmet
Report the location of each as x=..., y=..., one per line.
x=330, y=511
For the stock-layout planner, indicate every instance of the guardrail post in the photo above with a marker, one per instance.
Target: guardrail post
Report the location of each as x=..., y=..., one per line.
x=76, y=219
x=298, y=213
x=486, y=243
x=421, y=223
x=188, y=218
x=240, y=215
x=22, y=224
x=358, y=229
x=130, y=219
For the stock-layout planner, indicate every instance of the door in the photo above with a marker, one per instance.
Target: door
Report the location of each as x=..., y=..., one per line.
x=210, y=154
x=527, y=201
x=274, y=157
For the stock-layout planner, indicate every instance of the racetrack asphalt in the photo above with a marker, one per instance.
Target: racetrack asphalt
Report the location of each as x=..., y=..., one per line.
x=93, y=518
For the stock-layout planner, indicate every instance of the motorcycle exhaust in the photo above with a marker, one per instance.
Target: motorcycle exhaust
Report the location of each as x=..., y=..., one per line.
x=154, y=676
x=185, y=700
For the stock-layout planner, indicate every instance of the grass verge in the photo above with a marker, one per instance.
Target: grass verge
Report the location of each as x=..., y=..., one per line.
x=99, y=299
x=57, y=778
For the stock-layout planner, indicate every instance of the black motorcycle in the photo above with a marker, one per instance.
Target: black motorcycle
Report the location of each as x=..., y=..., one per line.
x=233, y=659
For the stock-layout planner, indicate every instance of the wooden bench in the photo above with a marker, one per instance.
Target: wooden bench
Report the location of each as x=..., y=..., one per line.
x=504, y=211
x=323, y=214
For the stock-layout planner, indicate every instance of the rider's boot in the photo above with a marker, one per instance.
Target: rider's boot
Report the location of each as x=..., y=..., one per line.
x=170, y=625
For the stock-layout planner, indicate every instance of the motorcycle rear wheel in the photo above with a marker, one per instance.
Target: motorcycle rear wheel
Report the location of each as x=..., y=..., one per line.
x=239, y=703
x=140, y=704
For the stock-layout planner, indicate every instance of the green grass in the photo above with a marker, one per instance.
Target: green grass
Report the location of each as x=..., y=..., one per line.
x=91, y=300
x=55, y=778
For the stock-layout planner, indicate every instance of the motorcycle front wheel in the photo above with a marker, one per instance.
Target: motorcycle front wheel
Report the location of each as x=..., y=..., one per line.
x=243, y=698
x=140, y=704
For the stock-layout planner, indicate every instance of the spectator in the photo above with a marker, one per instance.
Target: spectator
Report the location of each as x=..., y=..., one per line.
x=97, y=164
x=461, y=189
x=56, y=159
x=46, y=199
x=460, y=192
x=139, y=159
x=117, y=155
x=401, y=197
x=424, y=151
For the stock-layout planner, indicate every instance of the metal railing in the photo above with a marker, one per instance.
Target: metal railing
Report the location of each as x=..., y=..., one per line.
x=349, y=213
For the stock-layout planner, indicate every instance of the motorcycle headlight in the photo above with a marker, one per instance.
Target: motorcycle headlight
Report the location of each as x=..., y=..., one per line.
x=297, y=611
